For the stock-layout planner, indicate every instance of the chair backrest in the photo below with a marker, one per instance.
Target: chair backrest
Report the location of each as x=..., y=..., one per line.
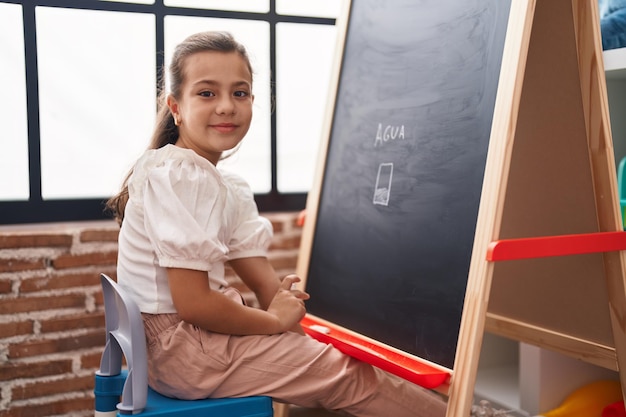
x=124, y=336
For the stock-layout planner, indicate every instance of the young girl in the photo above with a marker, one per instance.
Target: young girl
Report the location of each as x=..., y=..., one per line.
x=182, y=219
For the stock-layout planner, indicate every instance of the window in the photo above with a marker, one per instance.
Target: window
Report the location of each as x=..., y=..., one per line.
x=81, y=86
x=96, y=98
x=299, y=119
x=14, y=155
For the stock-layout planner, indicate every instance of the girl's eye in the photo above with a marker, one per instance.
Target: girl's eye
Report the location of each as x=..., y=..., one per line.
x=241, y=94
x=207, y=93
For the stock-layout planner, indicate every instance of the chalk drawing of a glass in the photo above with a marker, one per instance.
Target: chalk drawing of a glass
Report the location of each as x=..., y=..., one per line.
x=383, y=184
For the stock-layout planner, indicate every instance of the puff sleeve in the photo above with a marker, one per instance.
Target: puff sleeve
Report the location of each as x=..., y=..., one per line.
x=183, y=201
x=251, y=234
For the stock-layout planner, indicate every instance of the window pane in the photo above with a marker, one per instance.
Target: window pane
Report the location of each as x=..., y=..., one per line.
x=14, y=154
x=132, y=1
x=315, y=8
x=97, y=96
x=260, y=6
x=253, y=159
x=304, y=56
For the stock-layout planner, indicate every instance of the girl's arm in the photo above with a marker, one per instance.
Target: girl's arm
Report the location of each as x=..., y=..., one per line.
x=198, y=304
x=259, y=275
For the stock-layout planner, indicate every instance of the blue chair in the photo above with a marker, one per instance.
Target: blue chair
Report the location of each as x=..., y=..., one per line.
x=125, y=336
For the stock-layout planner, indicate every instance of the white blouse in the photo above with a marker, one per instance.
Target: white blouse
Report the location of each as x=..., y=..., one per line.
x=183, y=212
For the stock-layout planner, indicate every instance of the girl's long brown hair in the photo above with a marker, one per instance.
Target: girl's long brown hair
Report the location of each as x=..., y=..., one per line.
x=165, y=130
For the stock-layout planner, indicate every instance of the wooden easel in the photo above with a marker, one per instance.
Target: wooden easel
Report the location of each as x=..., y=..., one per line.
x=548, y=265
x=550, y=172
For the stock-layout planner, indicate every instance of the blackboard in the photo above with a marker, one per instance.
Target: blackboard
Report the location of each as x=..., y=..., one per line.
x=404, y=169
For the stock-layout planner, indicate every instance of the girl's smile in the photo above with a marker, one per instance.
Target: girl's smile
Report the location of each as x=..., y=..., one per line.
x=224, y=127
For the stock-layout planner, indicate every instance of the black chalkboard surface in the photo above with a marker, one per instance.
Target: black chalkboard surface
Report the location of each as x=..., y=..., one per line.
x=404, y=169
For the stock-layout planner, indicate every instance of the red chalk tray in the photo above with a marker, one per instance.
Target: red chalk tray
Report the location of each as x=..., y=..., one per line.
x=406, y=366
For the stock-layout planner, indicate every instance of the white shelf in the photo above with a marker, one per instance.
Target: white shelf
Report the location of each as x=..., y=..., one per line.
x=615, y=64
x=527, y=379
x=499, y=386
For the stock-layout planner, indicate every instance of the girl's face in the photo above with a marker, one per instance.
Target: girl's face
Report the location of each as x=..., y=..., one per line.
x=214, y=110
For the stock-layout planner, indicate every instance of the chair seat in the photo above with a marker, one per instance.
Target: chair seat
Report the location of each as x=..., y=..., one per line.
x=108, y=389
x=161, y=406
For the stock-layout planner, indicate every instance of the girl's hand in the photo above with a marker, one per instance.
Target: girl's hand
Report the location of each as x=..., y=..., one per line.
x=288, y=304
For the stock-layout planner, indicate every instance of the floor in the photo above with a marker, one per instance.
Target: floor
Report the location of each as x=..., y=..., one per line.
x=495, y=411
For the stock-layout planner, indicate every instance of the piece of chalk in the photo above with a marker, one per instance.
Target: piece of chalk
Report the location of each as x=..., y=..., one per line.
x=318, y=328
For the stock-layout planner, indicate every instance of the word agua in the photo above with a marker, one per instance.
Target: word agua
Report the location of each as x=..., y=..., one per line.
x=388, y=133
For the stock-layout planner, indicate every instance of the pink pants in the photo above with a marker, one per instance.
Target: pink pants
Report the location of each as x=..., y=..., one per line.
x=187, y=362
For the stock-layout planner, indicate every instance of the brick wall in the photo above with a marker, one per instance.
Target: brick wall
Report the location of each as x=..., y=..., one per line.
x=51, y=311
